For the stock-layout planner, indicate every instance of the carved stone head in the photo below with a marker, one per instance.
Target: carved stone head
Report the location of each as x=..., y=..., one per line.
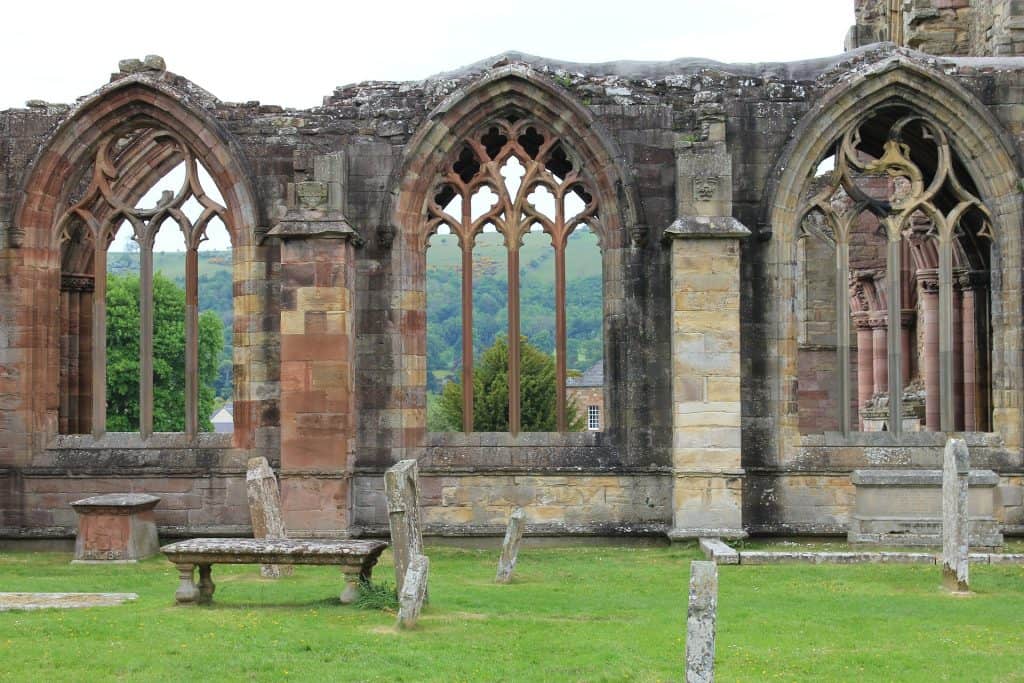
x=705, y=187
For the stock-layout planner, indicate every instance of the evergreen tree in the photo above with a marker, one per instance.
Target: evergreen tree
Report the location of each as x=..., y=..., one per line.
x=490, y=392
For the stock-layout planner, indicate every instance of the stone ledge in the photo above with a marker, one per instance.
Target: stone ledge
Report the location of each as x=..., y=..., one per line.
x=691, y=533
x=706, y=227
x=928, y=478
x=762, y=557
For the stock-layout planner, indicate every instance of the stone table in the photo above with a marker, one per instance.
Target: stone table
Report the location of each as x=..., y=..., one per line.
x=116, y=527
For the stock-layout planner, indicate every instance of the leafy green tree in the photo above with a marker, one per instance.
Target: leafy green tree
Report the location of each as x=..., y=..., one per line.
x=490, y=392
x=168, y=356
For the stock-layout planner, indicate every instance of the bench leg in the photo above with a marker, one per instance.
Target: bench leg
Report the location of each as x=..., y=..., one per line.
x=187, y=593
x=351, y=591
x=206, y=585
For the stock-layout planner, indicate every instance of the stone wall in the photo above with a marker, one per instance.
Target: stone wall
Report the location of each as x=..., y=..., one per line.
x=644, y=117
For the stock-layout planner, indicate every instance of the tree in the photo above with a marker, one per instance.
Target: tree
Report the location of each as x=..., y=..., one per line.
x=168, y=356
x=490, y=392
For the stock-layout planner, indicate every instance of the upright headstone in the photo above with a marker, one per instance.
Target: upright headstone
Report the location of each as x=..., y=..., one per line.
x=401, y=488
x=955, y=472
x=510, y=548
x=265, y=509
x=414, y=591
x=700, y=622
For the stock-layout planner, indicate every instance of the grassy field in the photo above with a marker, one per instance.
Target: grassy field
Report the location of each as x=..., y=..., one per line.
x=573, y=614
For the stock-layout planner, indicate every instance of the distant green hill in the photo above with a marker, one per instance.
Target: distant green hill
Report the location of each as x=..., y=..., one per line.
x=444, y=308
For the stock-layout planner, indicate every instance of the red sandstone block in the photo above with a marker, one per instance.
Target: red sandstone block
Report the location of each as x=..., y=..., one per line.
x=295, y=376
x=320, y=452
x=315, y=347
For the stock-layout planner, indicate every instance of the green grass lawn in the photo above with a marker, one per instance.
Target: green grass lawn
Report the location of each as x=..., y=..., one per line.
x=576, y=614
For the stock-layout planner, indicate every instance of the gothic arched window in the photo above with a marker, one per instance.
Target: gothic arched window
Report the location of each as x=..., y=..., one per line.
x=909, y=239
x=125, y=167
x=513, y=177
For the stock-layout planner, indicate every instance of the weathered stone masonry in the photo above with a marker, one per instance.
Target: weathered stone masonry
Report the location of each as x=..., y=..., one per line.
x=699, y=169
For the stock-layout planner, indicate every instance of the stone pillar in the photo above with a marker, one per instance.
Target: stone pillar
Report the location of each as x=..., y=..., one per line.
x=265, y=510
x=969, y=345
x=401, y=489
x=701, y=619
x=880, y=345
x=865, y=362
x=929, y=363
x=706, y=410
x=317, y=354
x=955, y=472
x=958, y=353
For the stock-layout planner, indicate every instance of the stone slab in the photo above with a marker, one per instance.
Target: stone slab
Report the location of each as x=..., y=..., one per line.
x=955, y=471
x=719, y=552
x=401, y=490
x=34, y=601
x=701, y=620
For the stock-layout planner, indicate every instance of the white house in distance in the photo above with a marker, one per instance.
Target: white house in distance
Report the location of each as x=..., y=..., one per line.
x=224, y=419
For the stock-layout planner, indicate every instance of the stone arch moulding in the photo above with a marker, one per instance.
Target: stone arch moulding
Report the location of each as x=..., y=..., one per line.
x=518, y=89
x=158, y=101
x=990, y=160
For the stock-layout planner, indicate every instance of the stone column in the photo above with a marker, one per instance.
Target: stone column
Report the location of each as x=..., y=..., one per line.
x=317, y=354
x=955, y=473
x=865, y=362
x=969, y=347
x=706, y=410
x=701, y=619
x=880, y=344
x=929, y=363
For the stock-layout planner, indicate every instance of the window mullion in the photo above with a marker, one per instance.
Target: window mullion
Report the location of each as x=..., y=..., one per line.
x=843, y=330
x=946, y=423
x=99, y=335
x=191, y=341
x=144, y=235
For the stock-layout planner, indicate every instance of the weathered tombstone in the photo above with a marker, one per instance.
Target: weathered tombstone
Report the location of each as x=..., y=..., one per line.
x=955, y=472
x=265, y=509
x=510, y=547
x=414, y=591
x=700, y=622
x=116, y=527
x=401, y=488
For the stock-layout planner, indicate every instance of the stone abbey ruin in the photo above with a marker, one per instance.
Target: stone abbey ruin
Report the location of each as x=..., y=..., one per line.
x=811, y=277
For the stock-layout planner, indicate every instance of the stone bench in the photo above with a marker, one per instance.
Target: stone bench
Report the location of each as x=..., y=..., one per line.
x=356, y=559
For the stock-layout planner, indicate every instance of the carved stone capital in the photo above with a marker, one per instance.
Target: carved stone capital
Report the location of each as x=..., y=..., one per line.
x=77, y=283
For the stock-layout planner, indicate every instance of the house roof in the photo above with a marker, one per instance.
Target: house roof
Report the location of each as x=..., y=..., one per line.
x=592, y=377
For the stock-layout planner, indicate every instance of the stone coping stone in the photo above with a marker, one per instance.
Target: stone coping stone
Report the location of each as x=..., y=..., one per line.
x=718, y=551
x=904, y=440
x=755, y=557
x=885, y=477
x=271, y=551
x=34, y=601
x=131, y=502
x=707, y=227
x=801, y=557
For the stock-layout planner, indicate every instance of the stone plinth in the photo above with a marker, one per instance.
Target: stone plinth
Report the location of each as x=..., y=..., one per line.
x=904, y=508
x=117, y=527
x=706, y=413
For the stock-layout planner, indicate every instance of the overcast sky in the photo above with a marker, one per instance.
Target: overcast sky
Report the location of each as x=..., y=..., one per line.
x=294, y=53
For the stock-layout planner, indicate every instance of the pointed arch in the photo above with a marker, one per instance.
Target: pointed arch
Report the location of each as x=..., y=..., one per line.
x=149, y=101
x=517, y=91
x=989, y=158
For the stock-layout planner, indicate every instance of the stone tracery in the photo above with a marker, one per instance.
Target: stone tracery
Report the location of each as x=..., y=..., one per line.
x=482, y=164
x=907, y=190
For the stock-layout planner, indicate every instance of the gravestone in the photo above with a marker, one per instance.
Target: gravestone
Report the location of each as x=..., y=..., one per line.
x=414, y=591
x=401, y=488
x=510, y=547
x=265, y=509
x=955, y=472
x=700, y=622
